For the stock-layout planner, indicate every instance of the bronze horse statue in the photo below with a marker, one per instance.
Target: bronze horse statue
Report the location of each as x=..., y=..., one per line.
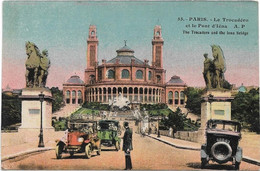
x=37, y=66
x=214, y=69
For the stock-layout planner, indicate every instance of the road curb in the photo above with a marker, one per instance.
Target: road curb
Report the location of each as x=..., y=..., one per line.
x=245, y=158
x=174, y=145
x=26, y=152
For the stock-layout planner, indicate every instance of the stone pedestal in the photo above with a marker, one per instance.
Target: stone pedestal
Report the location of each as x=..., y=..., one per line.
x=216, y=104
x=31, y=114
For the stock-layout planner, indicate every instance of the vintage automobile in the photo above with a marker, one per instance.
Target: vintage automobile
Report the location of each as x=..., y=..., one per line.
x=222, y=139
x=81, y=136
x=108, y=131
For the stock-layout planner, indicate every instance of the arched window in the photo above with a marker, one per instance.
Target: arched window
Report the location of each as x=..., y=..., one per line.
x=79, y=97
x=67, y=96
x=149, y=75
x=139, y=74
x=91, y=79
x=110, y=74
x=158, y=78
x=176, y=97
x=170, y=97
x=158, y=33
x=125, y=73
x=182, y=97
x=73, y=97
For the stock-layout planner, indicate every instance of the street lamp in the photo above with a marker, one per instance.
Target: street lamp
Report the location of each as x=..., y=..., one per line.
x=158, y=135
x=41, y=143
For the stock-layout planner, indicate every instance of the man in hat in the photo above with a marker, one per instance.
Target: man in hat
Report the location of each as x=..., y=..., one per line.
x=127, y=146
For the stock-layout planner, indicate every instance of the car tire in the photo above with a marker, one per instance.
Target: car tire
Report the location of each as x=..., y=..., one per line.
x=117, y=145
x=237, y=165
x=88, y=151
x=203, y=163
x=58, y=151
x=218, y=155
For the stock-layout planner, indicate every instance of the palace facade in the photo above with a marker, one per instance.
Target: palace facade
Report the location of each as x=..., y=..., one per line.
x=127, y=75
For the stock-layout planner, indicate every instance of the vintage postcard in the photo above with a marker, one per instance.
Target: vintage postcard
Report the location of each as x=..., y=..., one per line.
x=142, y=85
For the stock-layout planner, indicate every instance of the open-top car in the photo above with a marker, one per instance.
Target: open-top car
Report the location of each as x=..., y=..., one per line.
x=108, y=131
x=80, y=137
x=222, y=143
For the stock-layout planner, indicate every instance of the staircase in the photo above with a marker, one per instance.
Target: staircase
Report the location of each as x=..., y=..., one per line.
x=66, y=111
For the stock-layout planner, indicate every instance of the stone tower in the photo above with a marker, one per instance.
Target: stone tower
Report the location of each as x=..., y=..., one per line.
x=157, y=43
x=92, y=52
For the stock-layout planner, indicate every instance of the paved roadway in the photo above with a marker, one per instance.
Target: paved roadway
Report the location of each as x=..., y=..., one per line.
x=148, y=154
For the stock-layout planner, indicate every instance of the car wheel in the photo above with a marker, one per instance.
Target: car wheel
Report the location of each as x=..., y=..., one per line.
x=88, y=151
x=221, y=151
x=237, y=165
x=71, y=153
x=203, y=163
x=58, y=151
x=117, y=145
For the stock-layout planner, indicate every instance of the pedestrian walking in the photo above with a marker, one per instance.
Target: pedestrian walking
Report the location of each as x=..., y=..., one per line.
x=127, y=146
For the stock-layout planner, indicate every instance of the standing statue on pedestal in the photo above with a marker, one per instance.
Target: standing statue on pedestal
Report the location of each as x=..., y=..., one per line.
x=37, y=66
x=214, y=69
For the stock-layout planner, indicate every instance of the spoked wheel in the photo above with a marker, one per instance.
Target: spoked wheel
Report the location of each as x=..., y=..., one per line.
x=58, y=151
x=117, y=145
x=88, y=151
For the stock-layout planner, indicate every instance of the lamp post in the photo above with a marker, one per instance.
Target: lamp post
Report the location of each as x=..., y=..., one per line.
x=210, y=100
x=158, y=135
x=41, y=143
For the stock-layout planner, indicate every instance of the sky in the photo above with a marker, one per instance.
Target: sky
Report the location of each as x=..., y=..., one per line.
x=62, y=29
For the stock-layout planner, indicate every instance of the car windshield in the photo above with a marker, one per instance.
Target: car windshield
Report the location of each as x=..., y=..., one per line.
x=108, y=125
x=81, y=127
x=224, y=126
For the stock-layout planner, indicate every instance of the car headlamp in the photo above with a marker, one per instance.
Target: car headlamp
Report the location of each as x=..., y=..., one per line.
x=80, y=139
x=98, y=128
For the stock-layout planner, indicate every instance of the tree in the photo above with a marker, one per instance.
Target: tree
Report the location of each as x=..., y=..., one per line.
x=193, y=103
x=58, y=102
x=11, y=110
x=175, y=120
x=245, y=109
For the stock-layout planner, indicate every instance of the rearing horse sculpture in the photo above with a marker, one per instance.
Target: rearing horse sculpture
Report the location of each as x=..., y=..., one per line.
x=219, y=66
x=36, y=66
x=214, y=69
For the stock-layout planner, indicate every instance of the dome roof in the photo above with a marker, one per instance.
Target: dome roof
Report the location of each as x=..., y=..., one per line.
x=125, y=49
x=242, y=88
x=75, y=80
x=175, y=80
x=124, y=56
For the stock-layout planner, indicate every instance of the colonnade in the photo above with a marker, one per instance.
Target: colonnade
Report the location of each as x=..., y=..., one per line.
x=138, y=94
x=74, y=97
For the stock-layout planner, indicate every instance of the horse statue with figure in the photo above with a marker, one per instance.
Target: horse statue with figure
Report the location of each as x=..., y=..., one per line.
x=214, y=69
x=37, y=66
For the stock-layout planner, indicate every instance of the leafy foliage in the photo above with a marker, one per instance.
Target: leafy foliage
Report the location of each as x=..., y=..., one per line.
x=245, y=109
x=193, y=103
x=175, y=120
x=58, y=102
x=153, y=106
x=11, y=110
x=96, y=106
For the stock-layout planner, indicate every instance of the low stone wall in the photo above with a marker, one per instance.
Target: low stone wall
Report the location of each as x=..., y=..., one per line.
x=166, y=133
x=187, y=135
